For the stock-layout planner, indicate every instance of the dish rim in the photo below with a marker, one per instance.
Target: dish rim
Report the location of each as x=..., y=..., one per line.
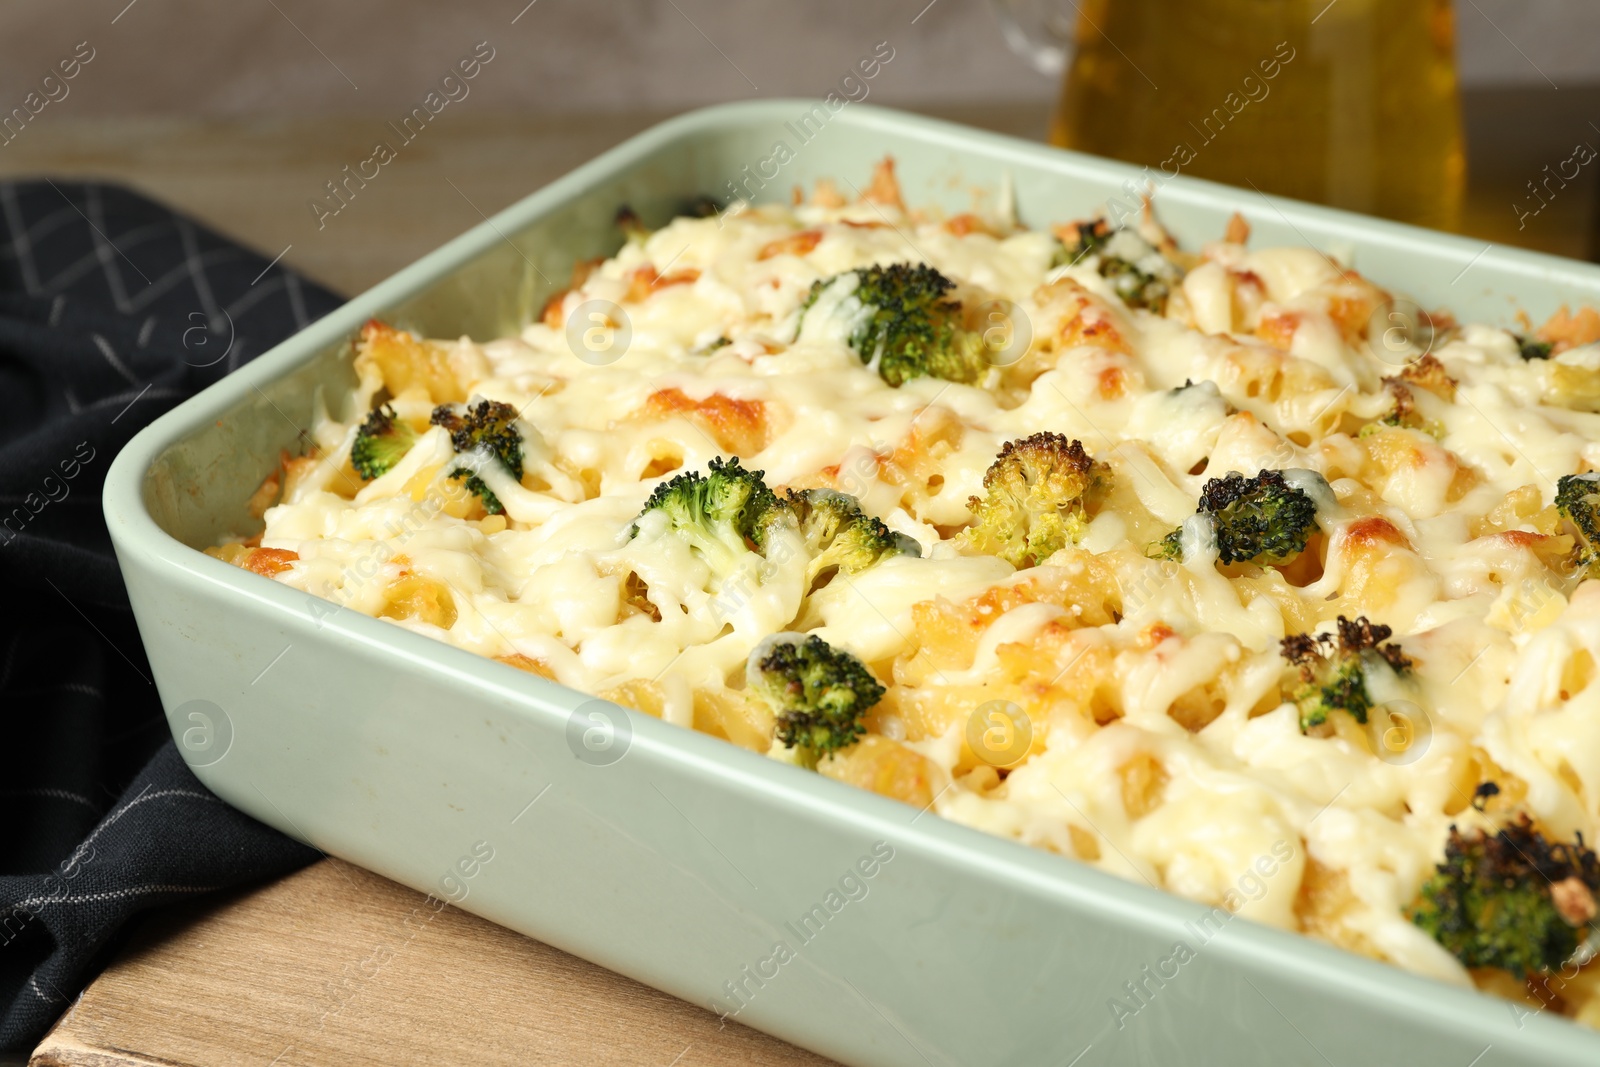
x=1009, y=864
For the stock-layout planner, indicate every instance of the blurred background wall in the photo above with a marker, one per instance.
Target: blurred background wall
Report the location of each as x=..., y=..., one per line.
x=240, y=112
x=290, y=58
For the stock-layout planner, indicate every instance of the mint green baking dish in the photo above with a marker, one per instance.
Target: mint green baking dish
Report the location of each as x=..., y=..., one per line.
x=686, y=862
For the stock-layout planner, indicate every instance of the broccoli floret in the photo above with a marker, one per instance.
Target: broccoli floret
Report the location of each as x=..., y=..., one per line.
x=488, y=431
x=1256, y=520
x=1136, y=288
x=840, y=535
x=903, y=326
x=1403, y=414
x=1136, y=270
x=701, y=207
x=487, y=426
x=722, y=513
x=1169, y=547
x=1333, y=670
x=1033, y=499
x=1510, y=900
x=1083, y=239
x=480, y=489
x=1530, y=349
x=819, y=693
x=1578, y=500
x=633, y=230
x=381, y=442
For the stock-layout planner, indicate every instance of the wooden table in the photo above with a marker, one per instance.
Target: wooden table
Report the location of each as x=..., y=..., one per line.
x=276, y=976
x=323, y=968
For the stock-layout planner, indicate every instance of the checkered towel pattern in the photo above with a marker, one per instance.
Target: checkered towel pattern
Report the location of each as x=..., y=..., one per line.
x=112, y=310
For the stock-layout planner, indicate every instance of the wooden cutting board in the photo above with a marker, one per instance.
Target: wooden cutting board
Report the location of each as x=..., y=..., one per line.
x=336, y=966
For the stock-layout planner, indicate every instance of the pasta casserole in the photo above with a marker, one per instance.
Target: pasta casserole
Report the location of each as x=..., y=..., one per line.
x=1222, y=569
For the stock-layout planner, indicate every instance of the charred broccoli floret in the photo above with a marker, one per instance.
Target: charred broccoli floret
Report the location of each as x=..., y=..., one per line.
x=901, y=323
x=840, y=535
x=1511, y=900
x=633, y=229
x=819, y=693
x=487, y=426
x=487, y=431
x=1079, y=240
x=1255, y=520
x=722, y=513
x=1136, y=270
x=1530, y=349
x=1333, y=670
x=1034, y=499
x=381, y=442
x=701, y=207
x=1578, y=500
x=1403, y=413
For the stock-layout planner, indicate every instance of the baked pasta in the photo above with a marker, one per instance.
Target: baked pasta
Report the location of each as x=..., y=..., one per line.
x=1189, y=564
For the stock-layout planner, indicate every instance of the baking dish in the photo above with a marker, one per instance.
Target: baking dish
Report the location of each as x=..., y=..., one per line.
x=673, y=857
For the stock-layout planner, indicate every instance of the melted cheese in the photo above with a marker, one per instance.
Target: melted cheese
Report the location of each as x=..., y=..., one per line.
x=1180, y=678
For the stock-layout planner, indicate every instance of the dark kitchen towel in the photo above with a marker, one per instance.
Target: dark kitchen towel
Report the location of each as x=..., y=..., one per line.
x=112, y=310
